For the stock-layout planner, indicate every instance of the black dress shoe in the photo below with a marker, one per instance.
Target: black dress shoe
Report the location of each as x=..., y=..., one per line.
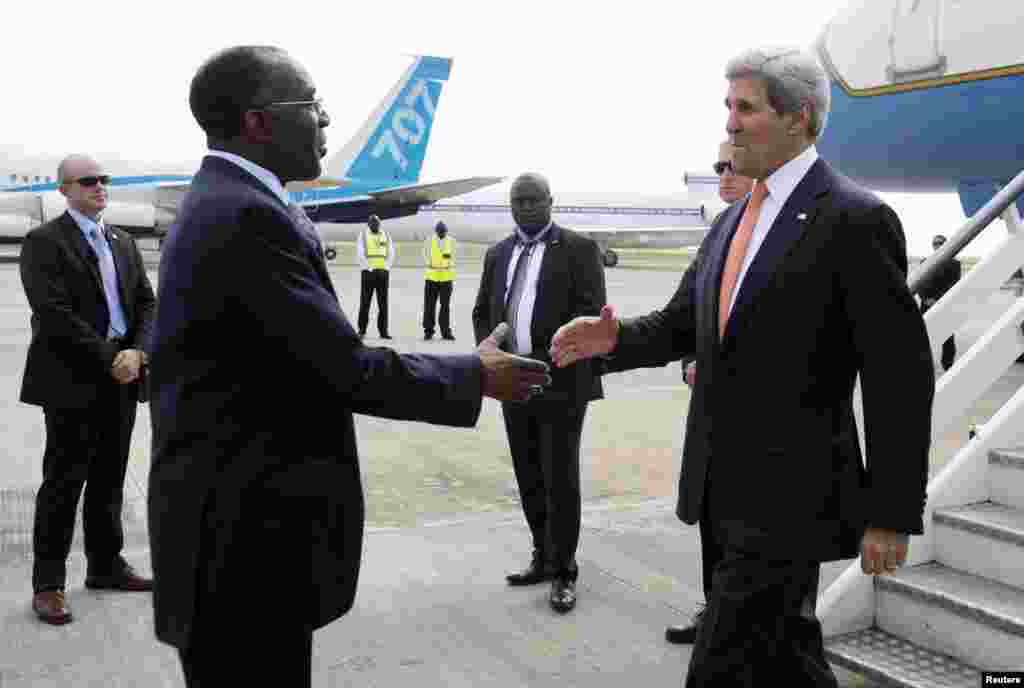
x=385, y=336
x=126, y=579
x=563, y=594
x=51, y=606
x=536, y=572
x=684, y=635
x=450, y=337
x=428, y=336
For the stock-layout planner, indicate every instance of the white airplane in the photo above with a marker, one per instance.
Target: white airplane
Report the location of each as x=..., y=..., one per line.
x=613, y=220
x=377, y=172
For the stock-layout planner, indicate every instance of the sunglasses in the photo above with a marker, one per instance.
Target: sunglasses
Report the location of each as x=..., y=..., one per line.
x=103, y=179
x=720, y=167
x=317, y=104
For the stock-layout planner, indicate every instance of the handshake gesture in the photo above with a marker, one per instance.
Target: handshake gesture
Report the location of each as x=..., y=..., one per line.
x=585, y=337
x=508, y=377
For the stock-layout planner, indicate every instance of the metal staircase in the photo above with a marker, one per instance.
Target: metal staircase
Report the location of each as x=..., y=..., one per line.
x=957, y=608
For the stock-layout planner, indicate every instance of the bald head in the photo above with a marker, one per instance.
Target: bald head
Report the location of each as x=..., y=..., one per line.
x=76, y=165
x=531, y=202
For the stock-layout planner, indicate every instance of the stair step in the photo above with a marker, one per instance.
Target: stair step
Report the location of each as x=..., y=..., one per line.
x=1006, y=477
x=985, y=539
x=893, y=661
x=978, y=621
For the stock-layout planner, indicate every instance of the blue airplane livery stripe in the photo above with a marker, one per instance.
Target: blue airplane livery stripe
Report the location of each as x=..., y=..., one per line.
x=931, y=139
x=114, y=181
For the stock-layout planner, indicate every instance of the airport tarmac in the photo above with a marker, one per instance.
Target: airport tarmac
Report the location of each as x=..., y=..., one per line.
x=444, y=527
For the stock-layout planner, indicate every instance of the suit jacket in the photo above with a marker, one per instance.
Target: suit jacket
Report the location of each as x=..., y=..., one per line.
x=570, y=283
x=256, y=373
x=771, y=443
x=69, y=357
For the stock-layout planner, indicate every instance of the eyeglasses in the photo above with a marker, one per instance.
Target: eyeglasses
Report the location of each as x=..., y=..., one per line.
x=721, y=166
x=317, y=105
x=103, y=179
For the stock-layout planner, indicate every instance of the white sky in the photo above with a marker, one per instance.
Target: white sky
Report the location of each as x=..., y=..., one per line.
x=598, y=96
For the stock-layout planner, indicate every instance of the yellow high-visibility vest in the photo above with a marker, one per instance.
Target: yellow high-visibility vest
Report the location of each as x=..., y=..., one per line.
x=376, y=246
x=439, y=268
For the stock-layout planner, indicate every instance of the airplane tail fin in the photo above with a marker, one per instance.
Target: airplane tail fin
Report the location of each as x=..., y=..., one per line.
x=391, y=145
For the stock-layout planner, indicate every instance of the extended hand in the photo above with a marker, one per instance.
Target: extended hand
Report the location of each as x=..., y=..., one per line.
x=585, y=337
x=126, y=365
x=882, y=551
x=508, y=377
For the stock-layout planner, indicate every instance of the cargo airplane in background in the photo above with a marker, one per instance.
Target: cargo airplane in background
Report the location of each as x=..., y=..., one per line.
x=377, y=172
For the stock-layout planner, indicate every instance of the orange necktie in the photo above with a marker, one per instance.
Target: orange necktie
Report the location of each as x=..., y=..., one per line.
x=738, y=251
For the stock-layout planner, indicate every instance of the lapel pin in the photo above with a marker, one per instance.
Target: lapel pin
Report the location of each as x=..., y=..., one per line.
x=802, y=216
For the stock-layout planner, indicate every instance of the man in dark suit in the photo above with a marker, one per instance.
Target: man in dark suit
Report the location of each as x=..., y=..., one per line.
x=732, y=187
x=92, y=312
x=536, y=279
x=256, y=514
x=793, y=294
x=941, y=282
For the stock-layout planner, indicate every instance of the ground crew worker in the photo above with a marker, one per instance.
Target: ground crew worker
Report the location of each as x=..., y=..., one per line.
x=376, y=254
x=439, y=257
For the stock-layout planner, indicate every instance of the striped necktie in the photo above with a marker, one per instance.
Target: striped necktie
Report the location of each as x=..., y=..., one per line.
x=108, y=271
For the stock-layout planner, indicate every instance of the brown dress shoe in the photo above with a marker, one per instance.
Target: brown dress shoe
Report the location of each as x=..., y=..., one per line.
x=51, y=607
x=126, y=579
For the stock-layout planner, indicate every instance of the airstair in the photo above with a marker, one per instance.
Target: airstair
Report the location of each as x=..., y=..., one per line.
x=956, y=609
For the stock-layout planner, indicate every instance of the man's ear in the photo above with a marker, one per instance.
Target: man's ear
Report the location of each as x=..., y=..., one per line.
x=256, y=127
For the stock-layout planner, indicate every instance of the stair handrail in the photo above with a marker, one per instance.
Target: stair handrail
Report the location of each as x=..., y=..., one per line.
x=974, y=226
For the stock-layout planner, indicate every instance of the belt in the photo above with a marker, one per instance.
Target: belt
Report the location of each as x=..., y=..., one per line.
x=119, y=341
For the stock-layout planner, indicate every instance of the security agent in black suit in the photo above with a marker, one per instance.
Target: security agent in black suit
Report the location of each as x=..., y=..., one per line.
x=255, y=515
x=92, y=311
x=771, y=460
x=536, y=279
x=944, y=279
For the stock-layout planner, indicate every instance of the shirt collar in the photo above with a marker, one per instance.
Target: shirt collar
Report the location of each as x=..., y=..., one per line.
x=268, y=178
x=525, y=238
x=784, y=180
x=84, y=222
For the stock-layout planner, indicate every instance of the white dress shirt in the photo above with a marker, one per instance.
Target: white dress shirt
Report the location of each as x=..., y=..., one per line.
x=268, y=178
x=524, y=316
x=781, y=184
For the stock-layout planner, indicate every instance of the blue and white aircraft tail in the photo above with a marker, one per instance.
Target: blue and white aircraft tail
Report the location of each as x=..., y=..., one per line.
x=377, y=172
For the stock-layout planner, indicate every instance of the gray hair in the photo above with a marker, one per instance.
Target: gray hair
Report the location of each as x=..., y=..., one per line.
x=792, y=78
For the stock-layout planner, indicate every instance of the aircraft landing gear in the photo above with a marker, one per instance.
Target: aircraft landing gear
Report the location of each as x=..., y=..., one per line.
x=610, y=258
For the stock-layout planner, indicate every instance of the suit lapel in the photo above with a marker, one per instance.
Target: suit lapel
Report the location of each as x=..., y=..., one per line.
x=554, y=253
x=80, y=245
x=711, y=277
x=503, y=258
x=796, y=216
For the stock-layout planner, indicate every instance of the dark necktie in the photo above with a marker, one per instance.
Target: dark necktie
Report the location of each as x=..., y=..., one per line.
x=515, y=292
